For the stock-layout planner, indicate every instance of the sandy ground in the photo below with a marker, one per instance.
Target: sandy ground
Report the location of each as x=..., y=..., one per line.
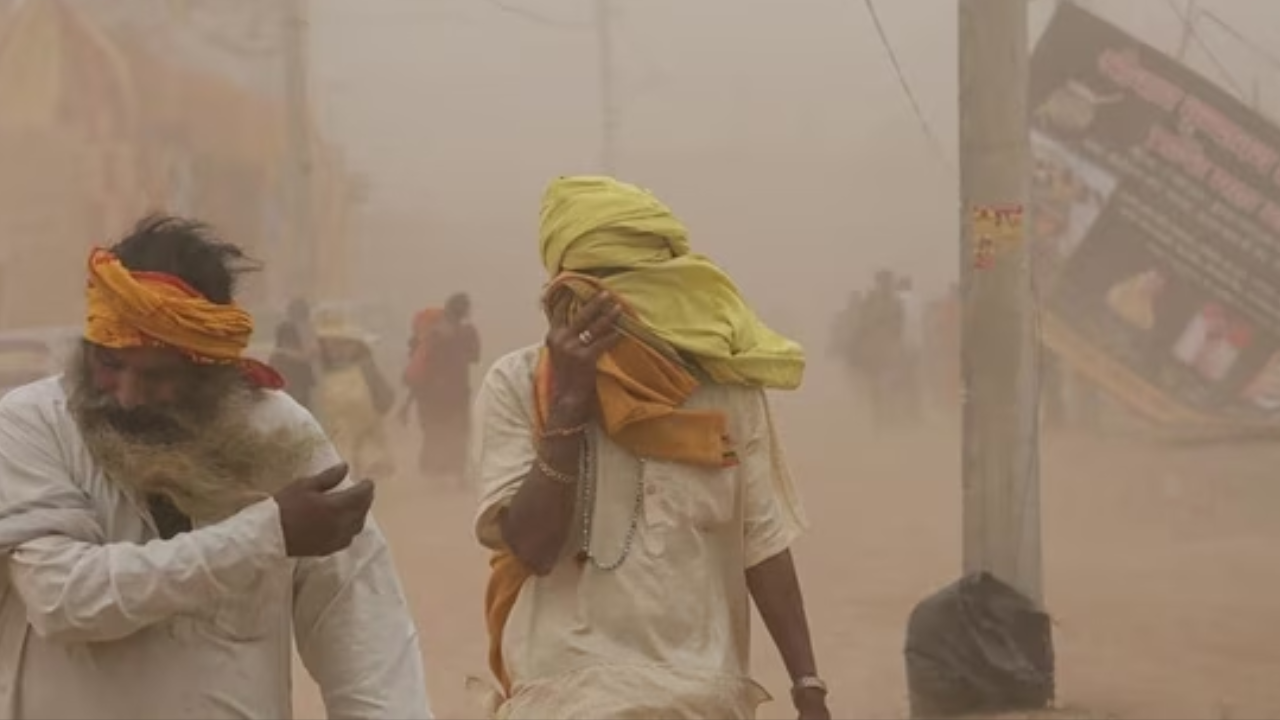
x=1161, y=569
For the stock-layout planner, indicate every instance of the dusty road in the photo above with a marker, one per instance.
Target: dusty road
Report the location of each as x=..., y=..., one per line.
x=1163, y=572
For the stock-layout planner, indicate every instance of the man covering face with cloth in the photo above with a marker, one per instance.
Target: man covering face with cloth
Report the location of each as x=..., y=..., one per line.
x=160, y=550
x=634, y=493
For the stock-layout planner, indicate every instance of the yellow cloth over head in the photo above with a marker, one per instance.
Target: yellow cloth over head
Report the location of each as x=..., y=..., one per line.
x=641, y=385
x=126, y=309
x=592, y=223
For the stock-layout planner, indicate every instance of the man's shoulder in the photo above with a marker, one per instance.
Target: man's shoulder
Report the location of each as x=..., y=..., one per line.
x=39, y=407
x=277, y=409
x=277, y=412
x=40, y=396
x=516, y=368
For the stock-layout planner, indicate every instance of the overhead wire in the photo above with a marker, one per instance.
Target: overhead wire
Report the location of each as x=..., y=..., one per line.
x=1240, y=37
x=905, y=85
x=534, y=17
x=1189, y=23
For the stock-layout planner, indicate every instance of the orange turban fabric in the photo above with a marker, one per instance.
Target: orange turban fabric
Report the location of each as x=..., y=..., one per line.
x=147, y=309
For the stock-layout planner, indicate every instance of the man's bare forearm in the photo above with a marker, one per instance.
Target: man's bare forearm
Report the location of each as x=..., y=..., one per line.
x=776, y=590
x=536, y=524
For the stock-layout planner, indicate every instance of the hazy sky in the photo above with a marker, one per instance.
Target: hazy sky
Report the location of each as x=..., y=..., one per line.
x=776, y=129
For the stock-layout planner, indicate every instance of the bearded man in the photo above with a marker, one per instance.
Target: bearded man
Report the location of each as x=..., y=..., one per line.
x=160, y=551
x=634, y=491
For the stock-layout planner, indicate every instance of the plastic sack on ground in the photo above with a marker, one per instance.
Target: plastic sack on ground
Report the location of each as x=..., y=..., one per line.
x=978, y=646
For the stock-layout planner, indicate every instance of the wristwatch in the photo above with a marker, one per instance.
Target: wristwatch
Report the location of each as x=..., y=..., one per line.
x=808, y=682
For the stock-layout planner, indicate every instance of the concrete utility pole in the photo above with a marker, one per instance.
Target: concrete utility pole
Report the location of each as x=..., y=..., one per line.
x=303, y=241
x=1000, y=347
x=608, y=90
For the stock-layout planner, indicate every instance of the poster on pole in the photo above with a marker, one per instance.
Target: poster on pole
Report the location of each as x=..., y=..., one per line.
x=1155, y=226
x=995, y=230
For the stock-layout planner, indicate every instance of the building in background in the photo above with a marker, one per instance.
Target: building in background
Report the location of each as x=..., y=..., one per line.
x=115, y=109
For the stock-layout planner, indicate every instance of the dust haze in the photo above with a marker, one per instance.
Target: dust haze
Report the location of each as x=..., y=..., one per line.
x=780, y=134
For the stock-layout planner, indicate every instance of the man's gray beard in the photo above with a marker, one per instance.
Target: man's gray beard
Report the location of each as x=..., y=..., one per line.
x=205, y=454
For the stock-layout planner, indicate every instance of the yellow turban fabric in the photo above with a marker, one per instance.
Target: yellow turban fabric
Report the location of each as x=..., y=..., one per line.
x=596, y=223
x=127, y=309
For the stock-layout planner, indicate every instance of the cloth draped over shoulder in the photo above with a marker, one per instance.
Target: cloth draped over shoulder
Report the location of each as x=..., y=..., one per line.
x=683, y=318
x=126, y=309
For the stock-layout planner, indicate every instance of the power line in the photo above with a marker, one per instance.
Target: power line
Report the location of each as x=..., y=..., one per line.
x=1272, y=60
x=1188, y=22
x=906, y=86
x=534, y=17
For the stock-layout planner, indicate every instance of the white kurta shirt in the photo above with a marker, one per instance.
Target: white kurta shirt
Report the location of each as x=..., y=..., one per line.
x=99, y=618
x=666, y=634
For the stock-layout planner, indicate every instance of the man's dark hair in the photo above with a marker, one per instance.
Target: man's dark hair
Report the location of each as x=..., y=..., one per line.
x=287, y=336
x=458, y=305
x=187, y=249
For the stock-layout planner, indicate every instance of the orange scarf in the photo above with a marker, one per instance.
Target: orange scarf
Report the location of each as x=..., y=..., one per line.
x=148, y=309
x=641, y=385
x=641, y=391
x=415, y=372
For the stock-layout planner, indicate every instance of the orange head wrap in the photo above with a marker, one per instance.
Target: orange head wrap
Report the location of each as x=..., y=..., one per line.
x=147, y=309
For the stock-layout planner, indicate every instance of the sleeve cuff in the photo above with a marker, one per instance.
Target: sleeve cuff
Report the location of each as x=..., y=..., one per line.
x=264, y=517
x=488, y=530
x=769, y=547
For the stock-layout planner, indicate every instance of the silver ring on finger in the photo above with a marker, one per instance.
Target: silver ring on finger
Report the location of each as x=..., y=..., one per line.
x=586, y=337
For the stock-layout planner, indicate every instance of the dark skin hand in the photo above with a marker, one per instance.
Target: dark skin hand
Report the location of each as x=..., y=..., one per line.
x=536, y=523
x=775, y=588
x=316, y=522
